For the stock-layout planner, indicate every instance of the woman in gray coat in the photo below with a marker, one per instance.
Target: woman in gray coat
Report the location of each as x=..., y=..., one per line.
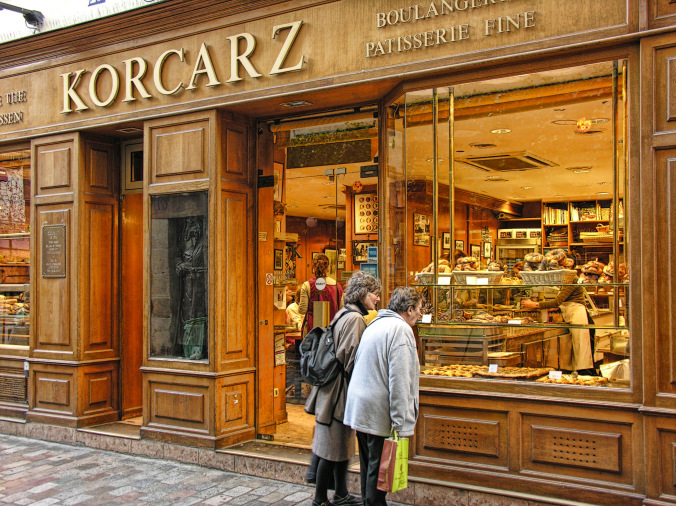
x=333, y=442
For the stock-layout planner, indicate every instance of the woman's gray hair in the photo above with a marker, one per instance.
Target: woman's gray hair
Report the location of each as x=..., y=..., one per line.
x=359, y=286
x=404, y=297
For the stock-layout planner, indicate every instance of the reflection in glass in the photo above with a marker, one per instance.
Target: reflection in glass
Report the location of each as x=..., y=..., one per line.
x=516, y=168
x=179, y=259
x=15, y=247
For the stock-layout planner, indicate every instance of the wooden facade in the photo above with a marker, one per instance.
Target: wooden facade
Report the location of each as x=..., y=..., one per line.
x=563, y=444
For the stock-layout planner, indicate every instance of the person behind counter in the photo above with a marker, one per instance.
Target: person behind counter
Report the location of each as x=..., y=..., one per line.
x=327, y=290
x=383, y=393
x=293, y=316
x=571, y=301
x=333, y=442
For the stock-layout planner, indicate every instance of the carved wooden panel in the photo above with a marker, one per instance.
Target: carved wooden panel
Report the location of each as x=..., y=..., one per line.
x=236, y=151
x=52, y=297
x=180, y=151
x=235, y=403
x=665, y=201
x=461, y=435
x=53, y=162
x=591, y=450
x=597, y=450
x=661, y=13
x=184, y=406
x=236, y=274
x=99, y=167
x=100, y=390
x=664, y=82
x=54, y=391
x=98, y=315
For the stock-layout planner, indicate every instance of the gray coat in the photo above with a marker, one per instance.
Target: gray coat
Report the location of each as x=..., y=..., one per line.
x=383, y=392
x=328, y=403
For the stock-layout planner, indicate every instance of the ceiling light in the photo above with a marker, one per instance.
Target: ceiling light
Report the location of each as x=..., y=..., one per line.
x=526, y=187
x=432, y=159
x=328, y=196
x=496, y=179
x=604, y=182
x=564, y=122
x=295, y=103
x=579, y=170
x=602, y=193
x=597, y=121
x=291, y=206
x=482, y=145
x=501, y=131
x=559, y=110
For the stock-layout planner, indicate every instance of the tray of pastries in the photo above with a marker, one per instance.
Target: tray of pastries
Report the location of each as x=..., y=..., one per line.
x=469, y=371
x=570, y=379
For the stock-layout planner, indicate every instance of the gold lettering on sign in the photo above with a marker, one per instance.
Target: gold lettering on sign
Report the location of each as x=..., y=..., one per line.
x=159, y=66
x=132, y=82
x=236, y=59
x=203, y=65
x=94, y=82
x=138, y=83
x=69, y=92
x=284, y=52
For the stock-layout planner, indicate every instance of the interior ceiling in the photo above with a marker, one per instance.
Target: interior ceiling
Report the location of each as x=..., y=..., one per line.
x=533, y=116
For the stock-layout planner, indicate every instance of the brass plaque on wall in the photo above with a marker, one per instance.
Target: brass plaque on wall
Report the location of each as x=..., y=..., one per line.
x=54, y=251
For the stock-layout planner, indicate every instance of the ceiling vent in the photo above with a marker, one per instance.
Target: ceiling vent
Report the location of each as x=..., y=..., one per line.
x=507, y=162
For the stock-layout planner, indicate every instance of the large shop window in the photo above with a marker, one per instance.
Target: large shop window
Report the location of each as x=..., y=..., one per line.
x=15, y=247
x=178, y=277
x=506, y=204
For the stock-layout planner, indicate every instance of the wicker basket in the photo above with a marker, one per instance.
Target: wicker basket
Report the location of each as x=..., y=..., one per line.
x=559, y=277
x=494, y=277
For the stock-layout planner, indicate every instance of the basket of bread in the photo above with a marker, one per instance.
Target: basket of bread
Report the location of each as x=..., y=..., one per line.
x=602, y=234
x=467, y=271
x=554, y=268
x=426, y=276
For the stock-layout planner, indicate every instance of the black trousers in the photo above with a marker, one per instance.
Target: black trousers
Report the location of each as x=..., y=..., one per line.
x=370, y=451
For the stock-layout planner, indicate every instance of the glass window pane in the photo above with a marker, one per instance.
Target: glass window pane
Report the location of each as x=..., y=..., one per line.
x=15, y=247
x=178, y=277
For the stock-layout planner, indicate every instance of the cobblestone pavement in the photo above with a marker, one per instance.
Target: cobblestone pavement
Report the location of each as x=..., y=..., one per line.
x=37, y=472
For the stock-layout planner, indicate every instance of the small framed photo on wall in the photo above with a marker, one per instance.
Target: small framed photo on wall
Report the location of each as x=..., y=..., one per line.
x=421, y=229
x=460, y=245
x=446, y=240
x=474, y=250
x=488, y=251
x=279, y=259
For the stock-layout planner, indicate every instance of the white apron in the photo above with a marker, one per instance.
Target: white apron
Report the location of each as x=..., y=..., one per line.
x=575, y=313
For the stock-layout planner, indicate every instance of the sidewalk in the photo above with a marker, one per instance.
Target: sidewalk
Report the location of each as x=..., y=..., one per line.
x=40, y=473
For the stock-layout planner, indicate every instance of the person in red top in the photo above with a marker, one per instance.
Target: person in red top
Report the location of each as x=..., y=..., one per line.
x=319, y=288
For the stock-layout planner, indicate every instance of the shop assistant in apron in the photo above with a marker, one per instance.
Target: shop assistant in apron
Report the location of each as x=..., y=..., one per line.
x=570, y=300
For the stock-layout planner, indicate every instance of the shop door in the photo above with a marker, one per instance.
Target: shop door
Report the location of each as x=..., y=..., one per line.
x=131, y=285
x=324, y=201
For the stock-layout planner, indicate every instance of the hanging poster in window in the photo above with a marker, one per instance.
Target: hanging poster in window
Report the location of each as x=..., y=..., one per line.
x=421, y=229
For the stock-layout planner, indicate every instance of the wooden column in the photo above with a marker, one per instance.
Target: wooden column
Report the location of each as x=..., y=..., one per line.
x=206, y=403
x=74, y=351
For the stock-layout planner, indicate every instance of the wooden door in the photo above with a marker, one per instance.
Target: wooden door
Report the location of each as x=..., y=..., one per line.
x=131, y=305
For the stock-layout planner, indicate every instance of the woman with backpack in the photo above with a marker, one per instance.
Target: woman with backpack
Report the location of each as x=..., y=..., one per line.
x=319, y=288
x=334, y=443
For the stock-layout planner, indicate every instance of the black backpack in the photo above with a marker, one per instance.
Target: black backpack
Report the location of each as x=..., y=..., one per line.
x=319, y=365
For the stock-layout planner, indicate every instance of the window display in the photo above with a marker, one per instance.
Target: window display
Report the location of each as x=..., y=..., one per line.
x=15, y=247
x=178, y=277
x=529, y=172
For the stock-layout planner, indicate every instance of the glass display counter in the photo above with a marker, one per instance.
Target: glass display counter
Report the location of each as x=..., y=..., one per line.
x=482, y=331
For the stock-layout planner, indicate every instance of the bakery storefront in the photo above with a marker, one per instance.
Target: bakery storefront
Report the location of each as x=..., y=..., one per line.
x=163, y=195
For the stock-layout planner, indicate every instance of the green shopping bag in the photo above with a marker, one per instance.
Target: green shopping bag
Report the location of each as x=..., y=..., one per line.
x=393, y=471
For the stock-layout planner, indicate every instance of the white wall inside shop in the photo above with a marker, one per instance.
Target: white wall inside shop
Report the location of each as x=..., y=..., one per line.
x=60, y=13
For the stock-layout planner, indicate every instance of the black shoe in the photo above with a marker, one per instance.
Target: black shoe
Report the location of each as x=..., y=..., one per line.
x=348, y=500
x=325, y=503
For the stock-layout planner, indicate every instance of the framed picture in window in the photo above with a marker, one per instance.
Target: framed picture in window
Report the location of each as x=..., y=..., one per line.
x=487, y=249
x=474, y=250
x=421, y=229
x=460, y=245
x=446, y=240
x=360, y=250
x=366, y=213
x=279, y=259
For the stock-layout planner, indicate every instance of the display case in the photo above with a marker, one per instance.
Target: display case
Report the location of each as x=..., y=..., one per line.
x=478, y=330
